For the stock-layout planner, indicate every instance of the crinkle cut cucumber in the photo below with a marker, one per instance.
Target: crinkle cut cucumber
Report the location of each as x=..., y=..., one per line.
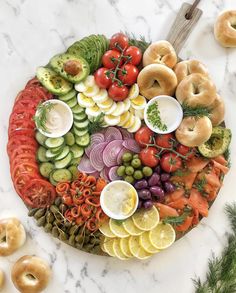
x=61, y=175
x=45, y=169
x=54, y=142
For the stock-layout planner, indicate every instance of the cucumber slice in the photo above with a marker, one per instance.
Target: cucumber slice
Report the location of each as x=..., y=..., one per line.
x=72, y=102
x=80, y=116
x=74, y=171
x=40, y=138
x=75, y=161
x=81, y=124
x=77, y=109
x=80, y=132
x=83, y=140
x=62, y=175
x=54, y=182
x=41, y=154
x=63, y=154
x=77, y=151
x=57, y=150
x=68, y=96
x=64, y=162
x=50, y=155
x=54, y=142
x=69, y=138
x=45, y=169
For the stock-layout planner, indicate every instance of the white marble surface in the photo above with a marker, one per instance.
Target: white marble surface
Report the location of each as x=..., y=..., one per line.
x=33, y=31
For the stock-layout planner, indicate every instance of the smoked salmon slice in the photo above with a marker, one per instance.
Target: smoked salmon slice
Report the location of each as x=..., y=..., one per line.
x=187, y=179
x=196, y=164
x=186, y=224
x=166, y=211
x=198, y=202
x=221, y=167
x=221, y=160
x=179, y=203
x=178, y=193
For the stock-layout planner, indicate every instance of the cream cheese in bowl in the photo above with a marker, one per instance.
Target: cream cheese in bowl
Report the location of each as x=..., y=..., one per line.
x=58, y=118
x=119, y=200
x=163, y=114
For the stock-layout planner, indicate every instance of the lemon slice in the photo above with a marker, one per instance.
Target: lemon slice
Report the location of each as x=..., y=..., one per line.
x=146, y=219
x=90, y=81
x=102, y=244
x=120, y=107
x=106, y=104
x=135, y=127
x=117, y=250
x=80, y=87
x=136, y=249
x=101, y=97
x=93, y=111
x=105, y=229
x=117, y=228
x=130, y=122
x=146, y=244
x=124, y=246
x=111, y=120
x=91, y=91
x=131, y=228
x=85, y=101
x=124, y=118
x=133, y=92
x=108, y=246
x=162, y=236
x=139, y=103
x=127, y=104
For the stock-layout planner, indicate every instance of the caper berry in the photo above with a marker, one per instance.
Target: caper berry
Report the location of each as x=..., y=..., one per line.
x=41, y=221
x=48, y=227
x=39, y=213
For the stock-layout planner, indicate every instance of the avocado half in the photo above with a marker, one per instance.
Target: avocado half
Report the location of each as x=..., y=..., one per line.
x=217, y=144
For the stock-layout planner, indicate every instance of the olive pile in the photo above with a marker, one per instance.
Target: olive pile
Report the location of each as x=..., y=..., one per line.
x=132, y=169
x=53, y=221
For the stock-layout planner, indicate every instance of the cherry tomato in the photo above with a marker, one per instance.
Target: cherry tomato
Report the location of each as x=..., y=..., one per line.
x=149, y=157
x=110, y=59
x=118, y=92
x=102, y=79
x=170, y=162
x=186, y=151
x=134, y=54
x=128, y=74
x=144, y=136
x=165, y=140
x=119, y=41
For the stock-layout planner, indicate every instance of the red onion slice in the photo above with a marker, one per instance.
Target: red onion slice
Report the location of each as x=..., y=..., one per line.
x=113, y=174
x=96, y=174
x=112, y=133
x=104, y=173
x=131, y=145
x=121, y=153
x=111, y=152
x=126, y=134
x=85, y=165
x=96, y=156
x=94, y=140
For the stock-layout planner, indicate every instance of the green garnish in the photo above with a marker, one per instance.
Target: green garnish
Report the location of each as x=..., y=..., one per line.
x=177, y=220
x=141, y=43
x=198, y=111
x=153, y=117
x=41, y=118
x=96, y=124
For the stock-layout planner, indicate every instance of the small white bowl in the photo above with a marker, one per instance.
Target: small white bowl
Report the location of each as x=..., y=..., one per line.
x=66, y=117
x=107, y=211
x=170, y=110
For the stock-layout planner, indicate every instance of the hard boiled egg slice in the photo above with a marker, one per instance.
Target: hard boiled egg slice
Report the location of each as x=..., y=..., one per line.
x=120, y=107
x=134, y=91
x=85, y=101
x=101, y=97
x=136, y=125
x=124, y=118
x=111, y=120
x=127, y=104
x=109, y=111
x=80, y=87
x=106, y=104
x=139, y=102
x=92, y=91
x=130, y=122
x=139, y=113
x=90, y=81
x=93, y=111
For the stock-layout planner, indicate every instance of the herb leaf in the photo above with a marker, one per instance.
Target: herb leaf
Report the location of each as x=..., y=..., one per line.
x=96, y=124
x=41, y=118
x=198, y=111
x=154, y=118
x=141, y=43
x=177, y=220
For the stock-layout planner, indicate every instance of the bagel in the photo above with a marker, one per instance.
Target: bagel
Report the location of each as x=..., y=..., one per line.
x=225, y=28
x=2, y=279
x=194, y=131
x=196, y=90
x=155, y=80
x=217, y=111
x=160, y=52
x=187, y=67
x=12, y=236
x=30, y=274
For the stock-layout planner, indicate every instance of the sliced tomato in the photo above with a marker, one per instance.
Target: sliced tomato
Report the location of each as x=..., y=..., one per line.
x=29, y=168
x=38, y=193
x=19, y=132
x=22, y=149
x=14, y=142
x=20, y=110
x=33, y=82
x=20, y=182
x=23, y=158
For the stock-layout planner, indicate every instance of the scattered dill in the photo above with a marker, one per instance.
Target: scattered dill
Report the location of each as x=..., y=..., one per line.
x=195, y=111
x=140, y=42
x=200, y=185
x=181, y=173
x=177, y=220
x=154, y=118
x=40, y=118
x=96, y=124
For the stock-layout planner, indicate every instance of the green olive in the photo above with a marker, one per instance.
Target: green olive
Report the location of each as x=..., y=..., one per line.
x=136, y=163
x=136, y=156
x=126, y=164
x=129, y=170
x=32, y=212
x=39, y=213
x=147, y=171
x=127, y=157
x=138, y=175
x=121, y=171
x=41, y=221
x=48, y=227
x=129, y=179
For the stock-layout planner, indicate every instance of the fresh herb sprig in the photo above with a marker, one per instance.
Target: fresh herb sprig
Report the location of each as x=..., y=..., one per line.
x=200, y=185
x=153, y=117
x=198, y=111
x=140, y=42
x=177, y=220
x=96, y=124
x=40, y=118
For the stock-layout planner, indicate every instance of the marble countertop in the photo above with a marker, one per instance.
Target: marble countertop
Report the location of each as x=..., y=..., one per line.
x=33, y=31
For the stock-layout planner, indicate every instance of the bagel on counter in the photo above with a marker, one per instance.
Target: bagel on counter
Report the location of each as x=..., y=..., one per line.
x=217, y=111
x=2, y=279
x=12, y=236
x=160, y=52
x=30, y=274
x=194, y=131
x=225, y=28
x=187, y=67
x=196, y=90
x=156, y=79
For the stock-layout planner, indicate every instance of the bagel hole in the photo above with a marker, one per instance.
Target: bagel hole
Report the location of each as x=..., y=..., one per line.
x=155, y=84
x=196, y=90
x=3, y=238
x=233, y=26
x=31, y=277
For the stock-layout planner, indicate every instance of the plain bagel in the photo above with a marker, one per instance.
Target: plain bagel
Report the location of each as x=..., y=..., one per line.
x=225, y=28
x=194, y=131
x=160, y=52
x=12, y=236
x=156, y=79
x=217, y=111
x=30, y=274
x=187, y=67
x=196, y=90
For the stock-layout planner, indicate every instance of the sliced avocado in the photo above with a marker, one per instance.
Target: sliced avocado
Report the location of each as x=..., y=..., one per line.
x=72, y=68
x=53, y=82
x=217, y=144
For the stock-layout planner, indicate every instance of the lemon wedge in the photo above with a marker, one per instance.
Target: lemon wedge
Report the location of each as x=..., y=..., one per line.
x=146, y=219
x=136, y=249
x=162, y=236
x=117, y=228
x=146, y=244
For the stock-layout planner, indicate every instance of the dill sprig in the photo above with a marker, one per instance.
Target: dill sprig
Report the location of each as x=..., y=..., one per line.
x=97, y=123
x=200, y=185
x=40, y=118
x=198, y=111
x=140, y=42
x=177, y=220
x=221, y=275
